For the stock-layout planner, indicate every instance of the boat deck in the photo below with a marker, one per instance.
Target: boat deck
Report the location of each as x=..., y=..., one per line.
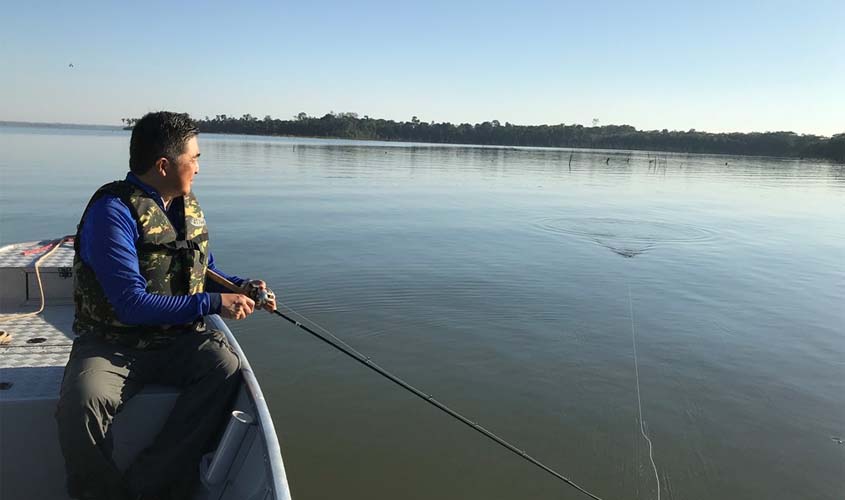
x=31, y=366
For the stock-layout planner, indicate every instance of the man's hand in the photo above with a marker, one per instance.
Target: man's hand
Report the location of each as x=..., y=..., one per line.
x=270, y=304
x=236, y=305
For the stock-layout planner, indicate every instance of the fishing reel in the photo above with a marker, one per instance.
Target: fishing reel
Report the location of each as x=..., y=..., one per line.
x=259, y=295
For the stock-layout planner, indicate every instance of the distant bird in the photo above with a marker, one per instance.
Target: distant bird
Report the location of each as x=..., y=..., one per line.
x=70, y=65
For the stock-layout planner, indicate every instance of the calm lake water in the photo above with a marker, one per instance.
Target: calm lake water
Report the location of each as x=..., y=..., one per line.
x=510, y=284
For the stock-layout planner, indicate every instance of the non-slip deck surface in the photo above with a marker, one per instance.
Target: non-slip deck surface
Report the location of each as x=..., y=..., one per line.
x=32, y=364
x=12, y=256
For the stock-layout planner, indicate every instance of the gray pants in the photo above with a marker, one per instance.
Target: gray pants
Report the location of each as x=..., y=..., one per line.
x=101, y=377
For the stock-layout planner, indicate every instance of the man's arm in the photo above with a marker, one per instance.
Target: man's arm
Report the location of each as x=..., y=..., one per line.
x=108, y=246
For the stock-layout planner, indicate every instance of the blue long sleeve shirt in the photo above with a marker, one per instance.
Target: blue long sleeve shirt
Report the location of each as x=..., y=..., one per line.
x=109, y=234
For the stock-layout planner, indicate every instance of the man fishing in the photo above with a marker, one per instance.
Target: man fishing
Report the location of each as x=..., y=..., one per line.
x=140, y=294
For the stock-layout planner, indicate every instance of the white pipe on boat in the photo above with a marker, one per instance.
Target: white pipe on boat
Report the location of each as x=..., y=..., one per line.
x=228, y=448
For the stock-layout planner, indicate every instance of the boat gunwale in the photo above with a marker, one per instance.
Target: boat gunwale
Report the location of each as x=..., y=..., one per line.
x=281, y=489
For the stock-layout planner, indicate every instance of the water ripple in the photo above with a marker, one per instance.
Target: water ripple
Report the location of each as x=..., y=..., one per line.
x=626, y=237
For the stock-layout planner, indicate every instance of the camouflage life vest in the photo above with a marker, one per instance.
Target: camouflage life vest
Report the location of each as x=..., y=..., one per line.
x=171, y=263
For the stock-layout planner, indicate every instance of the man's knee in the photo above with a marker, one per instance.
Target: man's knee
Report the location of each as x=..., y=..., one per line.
x=220, y=358
x=87, y=403
x=228, y=364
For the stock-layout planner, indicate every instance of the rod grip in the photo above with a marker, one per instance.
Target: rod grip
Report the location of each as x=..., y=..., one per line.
x=220, y=280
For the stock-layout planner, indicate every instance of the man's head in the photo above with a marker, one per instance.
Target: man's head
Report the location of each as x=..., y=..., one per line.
x=164, y=153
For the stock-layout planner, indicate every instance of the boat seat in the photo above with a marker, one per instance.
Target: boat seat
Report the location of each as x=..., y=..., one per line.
x=141, y=418
x=29, y=424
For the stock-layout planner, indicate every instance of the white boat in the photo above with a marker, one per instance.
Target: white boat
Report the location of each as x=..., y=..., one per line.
x=247, y=463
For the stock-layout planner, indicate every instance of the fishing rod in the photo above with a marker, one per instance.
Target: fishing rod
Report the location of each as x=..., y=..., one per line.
x=262, y=295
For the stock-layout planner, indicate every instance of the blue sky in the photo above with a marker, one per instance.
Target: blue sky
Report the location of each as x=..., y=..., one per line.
x=716, y=66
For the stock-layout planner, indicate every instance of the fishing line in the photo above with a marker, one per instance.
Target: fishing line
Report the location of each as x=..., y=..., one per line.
x=639, y=401
x=369, y=363
x=319, y=327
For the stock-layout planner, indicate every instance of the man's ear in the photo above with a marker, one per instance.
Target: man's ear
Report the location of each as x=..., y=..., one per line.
x=161, y=166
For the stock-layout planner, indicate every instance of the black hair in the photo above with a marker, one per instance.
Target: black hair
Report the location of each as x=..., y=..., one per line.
x=161, y=134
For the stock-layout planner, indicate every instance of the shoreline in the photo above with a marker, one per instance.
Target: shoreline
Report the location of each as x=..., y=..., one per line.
x=513, y=147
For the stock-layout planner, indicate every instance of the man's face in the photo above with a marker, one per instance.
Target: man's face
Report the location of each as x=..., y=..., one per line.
x=185, y=168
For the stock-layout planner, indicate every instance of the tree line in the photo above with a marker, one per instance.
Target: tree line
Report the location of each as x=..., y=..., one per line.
x=352, y=126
